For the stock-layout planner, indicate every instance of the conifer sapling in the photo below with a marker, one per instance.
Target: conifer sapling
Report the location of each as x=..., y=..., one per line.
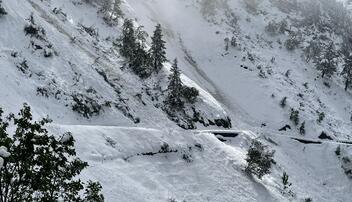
x=128, y=39
x=157, y=51
x=173, y=100
x=259, y=159
x=347, y=71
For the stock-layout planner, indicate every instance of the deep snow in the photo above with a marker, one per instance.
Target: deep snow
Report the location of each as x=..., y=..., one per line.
x=111, y=141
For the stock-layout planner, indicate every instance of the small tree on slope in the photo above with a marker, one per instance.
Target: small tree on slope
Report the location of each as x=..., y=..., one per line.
x=327, y=63
x=140, y=63
x=173, y=100
x=111, y=10
x=259, y=159
x=158, y=54
x=132, y=46
x=347, y=71
x=294, y=116
x=40, y=167
x=2, y=10
x=128, y=39
x=93, y=193
x=116, y=10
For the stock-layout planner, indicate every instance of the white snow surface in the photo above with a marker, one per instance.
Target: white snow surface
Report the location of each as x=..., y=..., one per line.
x=111, y=142
x=3, y=154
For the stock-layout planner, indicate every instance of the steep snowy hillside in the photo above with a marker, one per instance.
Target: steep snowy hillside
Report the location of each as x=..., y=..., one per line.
x=227, y=48
x=249, y=79
x=73, y=73
x=249, y=75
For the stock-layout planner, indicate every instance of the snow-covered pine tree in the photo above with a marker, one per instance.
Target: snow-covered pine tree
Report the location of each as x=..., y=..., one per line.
x=285, y=181
x=140, y=63
x=190, y=94
x=40, y=166
x=259, y=159
x=313, y=50
x=347, y=71
x=111, y=10
x=302, y=128
x=93, y=192
x=128, y=39
x=2, y=10
x=141, y=36
x=157, y=51
x=132, y=46
x=34, y=30
x=173, y=100
x=294, y=116
x=327, y=62
x=116, y=10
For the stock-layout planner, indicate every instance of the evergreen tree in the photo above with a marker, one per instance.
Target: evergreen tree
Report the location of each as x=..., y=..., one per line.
x=92, y=192
x=285, y=181
x=141, y=36
x=259, y=159
x=327, y=63
x=283, y=102
x=40, y=167
x=2, y=10
x=112, y=10
x=321, y=117
x=158, y=54
x=173, y=100
x=133, y=48
x=302, y=128
x=294, y=116
x=313, y=50
x=128, y=39
x=140, y=63
x=347, y=71
x=116, y=10
x=190, y=94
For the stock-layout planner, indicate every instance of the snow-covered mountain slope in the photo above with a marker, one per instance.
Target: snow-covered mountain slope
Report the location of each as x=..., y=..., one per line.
x=84, y=74
x=213, y=173
x=232, y=76
x=201, y=168
x=120, y=128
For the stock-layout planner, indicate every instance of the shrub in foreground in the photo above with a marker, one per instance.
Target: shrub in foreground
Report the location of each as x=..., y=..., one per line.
x=39, y=166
